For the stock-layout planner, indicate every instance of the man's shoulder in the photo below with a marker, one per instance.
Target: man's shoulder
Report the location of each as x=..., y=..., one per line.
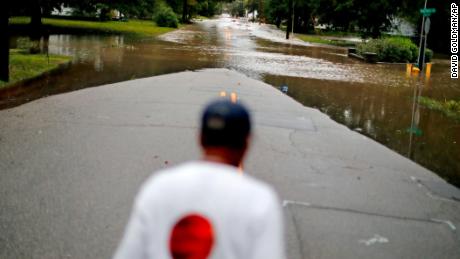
x=197, y=173
x=188, y=171
x=202, y=171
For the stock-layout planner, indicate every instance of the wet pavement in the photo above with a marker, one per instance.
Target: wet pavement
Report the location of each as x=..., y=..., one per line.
x=375, y=100
x=72, y=163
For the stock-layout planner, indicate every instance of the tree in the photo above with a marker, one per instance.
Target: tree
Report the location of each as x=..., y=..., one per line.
x=135, y=8
x=374, y=17
x=371, y=18
x=185, y=11
x=237, y=8
x=340, y=15
x=4, y=45
x=35, y=9
x=289, y=19
x=437, y=39
x=276, y=11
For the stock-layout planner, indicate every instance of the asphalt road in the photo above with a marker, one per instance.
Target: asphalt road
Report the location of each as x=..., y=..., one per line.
x=71, y=164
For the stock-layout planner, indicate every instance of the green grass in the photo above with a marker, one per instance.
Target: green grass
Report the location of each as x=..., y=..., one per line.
x=135, y=27
x=321, y=40
x=25, y=66
x=339, y=33
x=450, y=108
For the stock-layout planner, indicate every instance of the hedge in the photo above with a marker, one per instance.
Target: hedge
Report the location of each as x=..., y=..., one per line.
x=393, y=49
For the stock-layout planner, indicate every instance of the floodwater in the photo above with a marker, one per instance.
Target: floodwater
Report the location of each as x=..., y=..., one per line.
x=375, y=100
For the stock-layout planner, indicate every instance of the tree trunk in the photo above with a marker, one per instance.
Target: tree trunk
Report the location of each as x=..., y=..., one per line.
x=35, y=26
x=4, y=45
x=289, y=21
x=278, y=22
x=261, y=15
x=375, y=32
x=35, y=16
x=184, y=11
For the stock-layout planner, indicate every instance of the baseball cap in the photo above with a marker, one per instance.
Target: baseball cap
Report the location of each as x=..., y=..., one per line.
x=225, y=123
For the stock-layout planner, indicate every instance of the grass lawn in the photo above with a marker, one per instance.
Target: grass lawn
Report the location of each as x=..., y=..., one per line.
x=339, y=33
x=24, y=65
x=321, y=40
x=136, y=27
x=450, y=108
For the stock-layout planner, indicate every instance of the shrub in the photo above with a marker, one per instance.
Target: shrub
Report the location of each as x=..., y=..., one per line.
x=428, y=55
x=393, y=49
x=103, y=12
x=165, y=17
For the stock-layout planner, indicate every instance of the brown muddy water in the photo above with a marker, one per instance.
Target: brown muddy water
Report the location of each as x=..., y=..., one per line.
x=375, y=100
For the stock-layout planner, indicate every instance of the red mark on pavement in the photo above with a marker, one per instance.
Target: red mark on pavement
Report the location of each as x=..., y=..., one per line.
x=191, y=238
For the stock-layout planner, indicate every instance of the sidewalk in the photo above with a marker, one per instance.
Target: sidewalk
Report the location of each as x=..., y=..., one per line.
x=71, y=164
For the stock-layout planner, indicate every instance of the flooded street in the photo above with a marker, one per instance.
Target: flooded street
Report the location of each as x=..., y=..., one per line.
x=375, y=100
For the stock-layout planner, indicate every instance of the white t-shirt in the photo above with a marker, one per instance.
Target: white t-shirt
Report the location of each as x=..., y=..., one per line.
x=244, y=213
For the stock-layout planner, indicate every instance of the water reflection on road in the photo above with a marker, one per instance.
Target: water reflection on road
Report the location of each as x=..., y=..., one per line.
x=376, y=100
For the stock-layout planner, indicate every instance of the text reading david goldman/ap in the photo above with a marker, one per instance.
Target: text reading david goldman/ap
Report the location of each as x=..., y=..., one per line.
x=454, y=40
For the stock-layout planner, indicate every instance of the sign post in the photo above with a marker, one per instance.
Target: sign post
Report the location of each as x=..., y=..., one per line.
x=426, y=23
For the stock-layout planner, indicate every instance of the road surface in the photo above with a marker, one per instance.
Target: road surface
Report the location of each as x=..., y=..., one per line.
x=71, y=164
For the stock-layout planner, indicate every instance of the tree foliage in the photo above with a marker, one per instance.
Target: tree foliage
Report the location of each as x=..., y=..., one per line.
x=370, y=18
x=165, y=17
x=142, y=9
x=438, y=39
x=237, y=8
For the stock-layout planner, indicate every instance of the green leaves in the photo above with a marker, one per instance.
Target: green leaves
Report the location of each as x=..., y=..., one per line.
x=393, y=49
x=165, y=17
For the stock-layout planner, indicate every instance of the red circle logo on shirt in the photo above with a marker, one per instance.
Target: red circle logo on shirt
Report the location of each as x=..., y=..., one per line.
x=192, y=237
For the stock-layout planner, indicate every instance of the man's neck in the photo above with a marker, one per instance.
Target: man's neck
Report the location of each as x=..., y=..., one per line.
x=218, y=159
x=218, y=155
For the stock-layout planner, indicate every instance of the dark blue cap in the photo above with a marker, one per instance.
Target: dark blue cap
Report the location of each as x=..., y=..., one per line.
x=225, y=124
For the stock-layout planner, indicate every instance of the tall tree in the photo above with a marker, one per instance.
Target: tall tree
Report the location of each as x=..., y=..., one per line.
x=341, y=15
x=184, y=11
x=289, y=19
x=276, y=11
x=35, y=9
x=4, y=44
x=374, y=17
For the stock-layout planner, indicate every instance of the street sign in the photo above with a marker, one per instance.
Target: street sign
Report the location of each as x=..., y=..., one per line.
x=414, y=130
x=427, y=11
x=427, y=25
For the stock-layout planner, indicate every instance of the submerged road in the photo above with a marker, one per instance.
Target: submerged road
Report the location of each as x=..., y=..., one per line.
x=71, y=164
x=375, y=100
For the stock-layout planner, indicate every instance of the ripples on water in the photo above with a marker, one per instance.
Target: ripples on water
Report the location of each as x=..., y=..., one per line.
x=375, y=100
